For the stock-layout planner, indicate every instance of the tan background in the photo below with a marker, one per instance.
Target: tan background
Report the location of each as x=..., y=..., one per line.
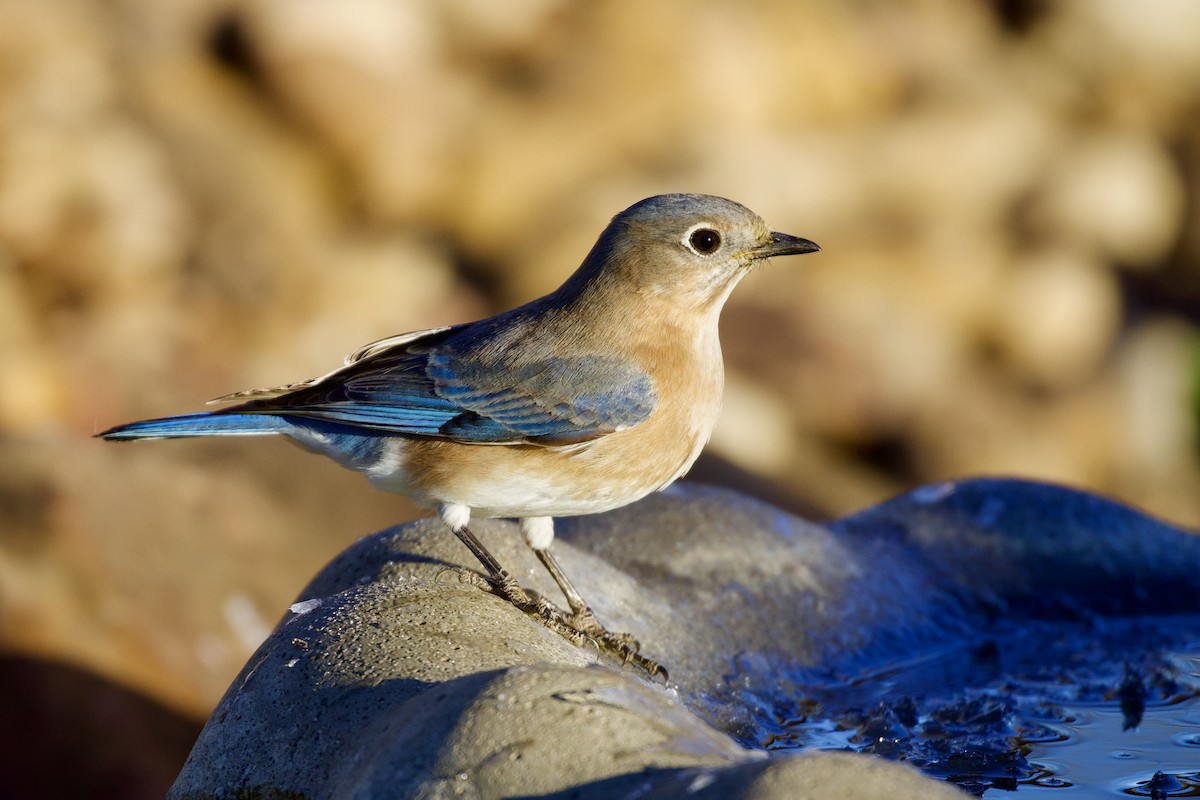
x=200, y=196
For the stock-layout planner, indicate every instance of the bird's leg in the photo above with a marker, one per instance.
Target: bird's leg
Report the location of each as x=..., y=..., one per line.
x=582, y=615
x=582, y=618
x=505, y=585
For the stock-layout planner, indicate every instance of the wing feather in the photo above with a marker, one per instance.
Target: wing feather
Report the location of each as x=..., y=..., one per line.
x=438, y=383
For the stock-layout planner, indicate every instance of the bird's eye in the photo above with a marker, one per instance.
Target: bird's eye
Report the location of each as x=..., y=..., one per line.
x=704, y=241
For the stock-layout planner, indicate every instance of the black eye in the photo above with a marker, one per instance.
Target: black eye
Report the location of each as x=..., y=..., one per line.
x=704, y=240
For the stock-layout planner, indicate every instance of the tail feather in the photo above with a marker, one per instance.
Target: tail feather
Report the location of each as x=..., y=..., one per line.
x=203, y=424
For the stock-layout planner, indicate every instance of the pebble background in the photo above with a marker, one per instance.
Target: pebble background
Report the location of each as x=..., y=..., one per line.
x=203, y=196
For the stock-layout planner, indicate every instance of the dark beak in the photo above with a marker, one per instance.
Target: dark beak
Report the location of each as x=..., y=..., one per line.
x=782, y=244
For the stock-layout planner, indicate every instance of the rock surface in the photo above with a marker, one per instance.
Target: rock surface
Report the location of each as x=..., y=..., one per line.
x=392, y=678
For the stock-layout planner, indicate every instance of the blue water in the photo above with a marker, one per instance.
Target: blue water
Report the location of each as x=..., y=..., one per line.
x=1095, y=757
x=1065, y=710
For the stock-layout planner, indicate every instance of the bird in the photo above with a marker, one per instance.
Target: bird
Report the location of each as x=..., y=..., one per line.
x=578, y=402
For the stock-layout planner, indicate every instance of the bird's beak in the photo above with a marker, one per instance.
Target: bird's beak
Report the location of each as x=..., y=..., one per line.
x=782, y=244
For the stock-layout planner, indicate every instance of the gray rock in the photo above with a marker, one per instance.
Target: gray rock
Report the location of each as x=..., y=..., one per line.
x=398, y=680
x=393, y=678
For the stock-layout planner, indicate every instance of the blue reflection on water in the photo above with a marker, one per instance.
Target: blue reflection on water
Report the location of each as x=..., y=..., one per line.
x=1098, y=709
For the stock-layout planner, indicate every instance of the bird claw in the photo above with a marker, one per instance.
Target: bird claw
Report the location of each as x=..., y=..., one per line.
x=526, y=600
x=622, y=645
x=579, y=628
x=650, y=666
x=586, y=623
x=470, y=576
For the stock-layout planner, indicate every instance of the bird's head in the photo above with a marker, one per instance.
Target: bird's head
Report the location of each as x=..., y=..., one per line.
x=691, y=248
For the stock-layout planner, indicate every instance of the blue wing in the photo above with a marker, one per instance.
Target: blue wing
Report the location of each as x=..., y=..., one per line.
x=445, y=385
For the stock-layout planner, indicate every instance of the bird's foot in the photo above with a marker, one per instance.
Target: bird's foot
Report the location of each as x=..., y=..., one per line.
x=622, y=645
x=615, y=645
x=584, y=620
x=578, y=628
x=526, y=600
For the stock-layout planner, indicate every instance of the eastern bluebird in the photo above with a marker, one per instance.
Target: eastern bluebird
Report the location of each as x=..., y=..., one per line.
x=579, y=402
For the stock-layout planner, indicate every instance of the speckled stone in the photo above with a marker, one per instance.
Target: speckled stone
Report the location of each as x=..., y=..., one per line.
x=391, y=677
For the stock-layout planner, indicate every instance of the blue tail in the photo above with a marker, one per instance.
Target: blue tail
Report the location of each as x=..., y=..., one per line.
x=199, y=425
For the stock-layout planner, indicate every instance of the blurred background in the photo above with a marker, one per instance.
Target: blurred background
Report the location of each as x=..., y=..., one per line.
x=201, y=196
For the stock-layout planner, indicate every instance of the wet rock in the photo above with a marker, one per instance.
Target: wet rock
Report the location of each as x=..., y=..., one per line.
x=390, y=677
x=392, y=673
